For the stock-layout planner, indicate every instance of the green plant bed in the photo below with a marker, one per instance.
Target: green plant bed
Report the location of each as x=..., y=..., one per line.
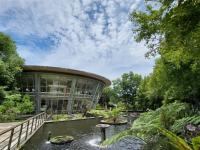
x=111, y=122
x=65, y=117
x=61, y=139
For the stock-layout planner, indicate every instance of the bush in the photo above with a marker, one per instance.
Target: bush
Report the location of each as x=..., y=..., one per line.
x=99, y=113
x=26, y=105
x=14, y=105
x=2, y=94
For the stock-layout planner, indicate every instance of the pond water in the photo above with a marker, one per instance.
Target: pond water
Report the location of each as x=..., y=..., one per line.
x=76, y=128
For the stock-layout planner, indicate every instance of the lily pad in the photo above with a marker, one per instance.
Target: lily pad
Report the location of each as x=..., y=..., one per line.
x=61, y=139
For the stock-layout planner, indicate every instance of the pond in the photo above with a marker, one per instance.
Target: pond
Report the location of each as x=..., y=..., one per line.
x=76, y=128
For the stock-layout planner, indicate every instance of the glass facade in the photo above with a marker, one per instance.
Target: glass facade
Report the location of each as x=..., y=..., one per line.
x=60, y=93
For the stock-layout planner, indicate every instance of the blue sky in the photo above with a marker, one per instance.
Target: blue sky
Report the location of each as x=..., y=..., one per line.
x=89, y=35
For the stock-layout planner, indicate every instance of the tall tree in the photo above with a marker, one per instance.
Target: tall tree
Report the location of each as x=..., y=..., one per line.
x=10, y=62
x=172, y=29
x=126, y=87
x=108, y=96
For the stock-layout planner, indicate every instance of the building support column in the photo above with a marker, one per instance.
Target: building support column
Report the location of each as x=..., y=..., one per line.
x=37, y=92
x=94, y=101
x=71, y=97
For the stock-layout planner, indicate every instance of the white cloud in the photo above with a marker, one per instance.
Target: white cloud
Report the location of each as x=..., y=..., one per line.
x=90, y=35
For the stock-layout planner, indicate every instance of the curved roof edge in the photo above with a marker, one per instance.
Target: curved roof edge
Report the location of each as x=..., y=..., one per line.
x=49, y=69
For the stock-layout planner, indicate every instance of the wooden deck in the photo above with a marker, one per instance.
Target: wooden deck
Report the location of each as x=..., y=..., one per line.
x=15, y=136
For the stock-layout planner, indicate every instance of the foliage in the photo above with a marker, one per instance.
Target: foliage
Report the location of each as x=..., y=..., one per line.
x=115, y=113
x=98, y=113
x=145, y=127
x=14, y=105
x=126, y=87
x=175, y=140
x=2, y=94
x=164, y=117
x=172, y=29
x=65, y=117
x=179, y=124
x=167, y=23
x=60, y=117
x=25, y=105
x=196, y=143
x=108, y=96
x=180, y=143
x=142, y=101
x=117, y=137
x=10, y=62
x=78, y=116
x=98, y=106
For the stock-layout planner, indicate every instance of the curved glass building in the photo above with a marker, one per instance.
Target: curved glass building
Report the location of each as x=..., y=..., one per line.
x=60, y=90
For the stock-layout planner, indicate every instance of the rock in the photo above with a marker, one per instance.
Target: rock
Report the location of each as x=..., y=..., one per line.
x=61, y=139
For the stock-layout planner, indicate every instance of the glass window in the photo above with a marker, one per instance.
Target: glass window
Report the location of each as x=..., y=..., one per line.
x=27, y=83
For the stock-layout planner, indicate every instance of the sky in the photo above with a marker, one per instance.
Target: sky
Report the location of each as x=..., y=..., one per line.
x=89, y=35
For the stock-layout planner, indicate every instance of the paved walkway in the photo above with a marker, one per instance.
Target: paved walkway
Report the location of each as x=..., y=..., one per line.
x=4, y=126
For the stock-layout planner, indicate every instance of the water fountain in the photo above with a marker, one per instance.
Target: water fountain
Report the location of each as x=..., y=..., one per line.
x=103, y=130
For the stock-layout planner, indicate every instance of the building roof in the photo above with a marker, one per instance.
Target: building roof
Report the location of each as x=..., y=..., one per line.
x=31, y=68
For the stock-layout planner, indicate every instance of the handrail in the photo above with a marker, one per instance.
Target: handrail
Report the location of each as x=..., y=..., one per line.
x=6, y=130
x=15, y=136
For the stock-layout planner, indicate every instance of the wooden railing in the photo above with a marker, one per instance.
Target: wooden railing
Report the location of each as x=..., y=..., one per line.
x=16, y=136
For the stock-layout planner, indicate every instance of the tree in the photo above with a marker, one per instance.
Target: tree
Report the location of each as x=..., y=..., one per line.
x=108, y=96
x=168, y=23
x=142, y=101
x=126, y=87
x=10, y=62
x=172, y=29
x=11, y=102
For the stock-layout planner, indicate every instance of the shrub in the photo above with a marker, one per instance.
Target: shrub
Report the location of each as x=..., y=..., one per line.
x=98, y=113
x=26, y=105
x=145, y=126
x=13, y=105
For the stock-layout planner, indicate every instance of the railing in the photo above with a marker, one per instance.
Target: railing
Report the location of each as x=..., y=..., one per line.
x=16, y=136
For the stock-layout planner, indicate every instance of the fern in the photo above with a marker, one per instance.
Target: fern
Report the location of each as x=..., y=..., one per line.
x=180, y=143
x=196, y=143
x=117, y=137
x=145, y=127
x=180, y=123
x=175, y=140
